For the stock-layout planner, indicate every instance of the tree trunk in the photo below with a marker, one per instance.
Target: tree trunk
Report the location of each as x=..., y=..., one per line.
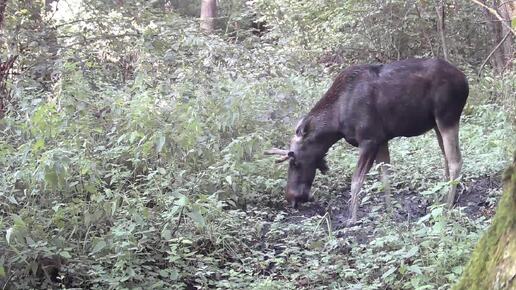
x=208, y=14
x=439, y=9
x=5, y=67
x=502, y=56
x=493, y=262
x=506, y=11
x=3, y=5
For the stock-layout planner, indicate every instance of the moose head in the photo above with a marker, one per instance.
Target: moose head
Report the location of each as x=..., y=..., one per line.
x=305, y=155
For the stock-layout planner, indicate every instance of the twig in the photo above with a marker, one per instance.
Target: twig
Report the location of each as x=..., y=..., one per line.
x=72, y=22
x=493, y=51
x=495, y=13
x=173, y=233
x=505, y=2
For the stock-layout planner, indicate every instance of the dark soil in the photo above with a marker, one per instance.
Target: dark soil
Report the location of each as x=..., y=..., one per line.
x=475, y=197
x=478, y=199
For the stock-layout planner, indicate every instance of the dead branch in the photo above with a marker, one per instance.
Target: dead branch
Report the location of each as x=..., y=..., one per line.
x=493, y=51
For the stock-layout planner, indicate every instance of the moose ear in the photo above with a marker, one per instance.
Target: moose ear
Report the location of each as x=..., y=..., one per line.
x=305, y=126
x=323, y=166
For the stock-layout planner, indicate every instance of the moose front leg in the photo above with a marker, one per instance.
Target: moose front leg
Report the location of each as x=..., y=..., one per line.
x=367, y=155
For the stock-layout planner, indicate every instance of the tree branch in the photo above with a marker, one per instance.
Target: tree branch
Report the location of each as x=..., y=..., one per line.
x=72, y=22
x=495, y=13
x=493, y=51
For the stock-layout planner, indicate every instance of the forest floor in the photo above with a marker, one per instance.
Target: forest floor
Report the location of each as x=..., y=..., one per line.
x=474, y=198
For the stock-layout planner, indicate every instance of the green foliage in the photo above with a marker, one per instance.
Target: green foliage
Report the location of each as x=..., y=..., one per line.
x=131, y=152
x=340, y=31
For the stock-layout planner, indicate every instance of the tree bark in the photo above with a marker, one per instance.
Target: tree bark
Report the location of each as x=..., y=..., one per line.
x=208, y=14
x=5, y=67
x=439, y=9
x=506, y=10
x=499, y=21
x=3, y=5
x=493, y=262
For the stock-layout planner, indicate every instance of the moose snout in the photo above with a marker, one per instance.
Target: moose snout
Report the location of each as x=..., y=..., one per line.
x=295, y=197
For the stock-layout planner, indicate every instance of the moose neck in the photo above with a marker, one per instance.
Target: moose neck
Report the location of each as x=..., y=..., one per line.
x=327, y=130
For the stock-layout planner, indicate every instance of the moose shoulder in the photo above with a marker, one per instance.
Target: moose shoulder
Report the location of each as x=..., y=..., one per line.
x=368, y=105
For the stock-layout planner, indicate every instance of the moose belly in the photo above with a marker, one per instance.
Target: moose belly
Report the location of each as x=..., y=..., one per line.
x=405, y=109
x=409, y=124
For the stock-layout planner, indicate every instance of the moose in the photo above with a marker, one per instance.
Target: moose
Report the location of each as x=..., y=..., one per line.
x=368, y=105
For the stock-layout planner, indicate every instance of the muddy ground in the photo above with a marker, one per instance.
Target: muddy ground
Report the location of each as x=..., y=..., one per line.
x=476, y=198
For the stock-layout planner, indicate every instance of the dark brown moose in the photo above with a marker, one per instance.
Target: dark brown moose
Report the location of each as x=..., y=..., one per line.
x=368, y=105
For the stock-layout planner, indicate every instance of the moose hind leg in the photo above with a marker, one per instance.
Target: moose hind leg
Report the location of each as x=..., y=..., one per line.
x=450, y=138
x=383, y=158
x=441, y=145
x=367, y=154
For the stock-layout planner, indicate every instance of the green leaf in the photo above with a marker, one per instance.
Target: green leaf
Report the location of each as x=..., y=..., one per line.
x=160, y=142
x=437, y=212
x=389, y=272
x=12, y=199
x=38, y=145
x=18, y=222
x=164, y=273
x=65, y=255
x=182, y=201
x=415, y=269
x=197, y=217
x=134, y=135
x=186, y=241
x=166, y=234
x=412, y=252
x=51, y=177
x=98, y=246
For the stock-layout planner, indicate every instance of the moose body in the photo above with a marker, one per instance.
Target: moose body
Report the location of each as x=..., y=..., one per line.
x=368, y=105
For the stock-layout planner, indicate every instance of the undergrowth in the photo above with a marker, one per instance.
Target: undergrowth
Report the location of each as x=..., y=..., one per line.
x=159, y=181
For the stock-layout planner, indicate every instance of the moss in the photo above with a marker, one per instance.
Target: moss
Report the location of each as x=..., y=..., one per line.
x=493, y=262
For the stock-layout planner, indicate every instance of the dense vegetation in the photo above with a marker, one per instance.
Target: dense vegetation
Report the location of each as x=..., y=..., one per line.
x=131, y=147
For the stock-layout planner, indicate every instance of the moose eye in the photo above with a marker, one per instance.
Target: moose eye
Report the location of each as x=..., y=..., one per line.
x=293, y=163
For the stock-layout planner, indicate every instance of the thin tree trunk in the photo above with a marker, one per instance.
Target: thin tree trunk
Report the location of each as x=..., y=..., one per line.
x=499, y=21
x=506, y=13
x=439, y=9
x=5, y=67
x=208, y=14
x=3, y=5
